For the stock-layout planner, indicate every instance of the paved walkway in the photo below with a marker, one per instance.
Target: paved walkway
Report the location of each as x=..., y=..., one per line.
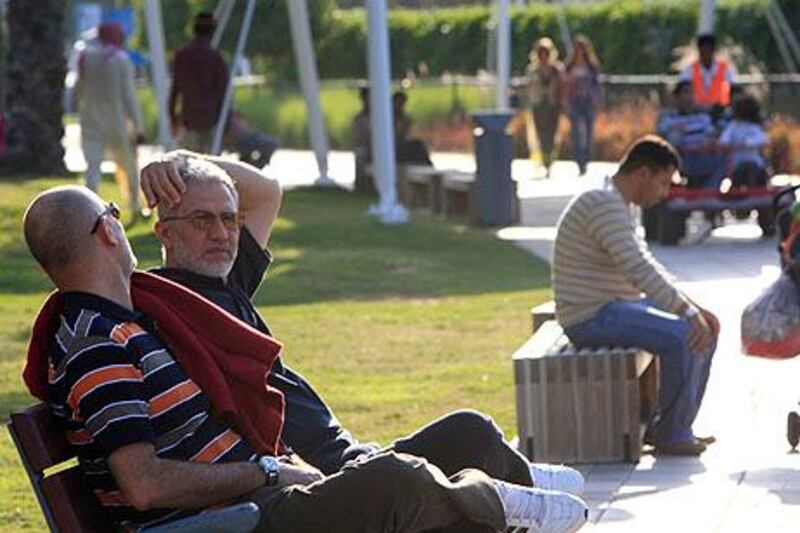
x=747, y=481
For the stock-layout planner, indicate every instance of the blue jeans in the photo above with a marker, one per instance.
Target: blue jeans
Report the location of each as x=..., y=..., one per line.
x=581, y=117
x=641, y=323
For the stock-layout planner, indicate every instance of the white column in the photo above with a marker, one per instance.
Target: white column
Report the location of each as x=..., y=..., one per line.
x=384, y=169
x=244, y=31
x=158, y=70
x=221, y=15
x=706, y=24
x=307, y=70
x=503, y=54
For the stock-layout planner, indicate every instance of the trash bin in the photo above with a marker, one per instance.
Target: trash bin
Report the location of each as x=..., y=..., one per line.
x=493, y=195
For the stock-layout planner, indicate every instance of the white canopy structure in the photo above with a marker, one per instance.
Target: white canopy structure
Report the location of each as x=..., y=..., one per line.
x=303, y=45
x=388, y=209
x=503, y=54
x=158, y=66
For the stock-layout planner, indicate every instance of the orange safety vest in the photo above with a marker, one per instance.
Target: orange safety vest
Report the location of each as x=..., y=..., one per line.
x=719, y=93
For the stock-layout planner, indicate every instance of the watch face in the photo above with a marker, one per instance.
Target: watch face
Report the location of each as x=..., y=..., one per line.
x=269, y=463
x=270, y=466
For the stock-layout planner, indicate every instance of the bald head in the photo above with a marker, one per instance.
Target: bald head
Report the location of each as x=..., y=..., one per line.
x=57, y=226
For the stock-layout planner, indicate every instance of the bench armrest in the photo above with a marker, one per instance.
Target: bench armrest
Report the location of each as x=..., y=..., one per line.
x=239, y=518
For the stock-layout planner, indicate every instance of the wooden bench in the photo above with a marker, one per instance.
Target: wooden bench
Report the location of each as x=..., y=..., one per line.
x=581, y=405
x=665, y=223
x=421, y=187
x=457, y=193
x=67, y=503
x=542, y=313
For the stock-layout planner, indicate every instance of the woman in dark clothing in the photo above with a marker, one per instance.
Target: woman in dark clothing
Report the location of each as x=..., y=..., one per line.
x=545, y=82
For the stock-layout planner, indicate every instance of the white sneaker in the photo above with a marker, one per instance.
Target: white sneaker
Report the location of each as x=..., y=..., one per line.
x=557, y=477
x=540, y=511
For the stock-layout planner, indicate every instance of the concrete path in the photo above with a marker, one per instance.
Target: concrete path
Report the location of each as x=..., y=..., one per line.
x=747, y=481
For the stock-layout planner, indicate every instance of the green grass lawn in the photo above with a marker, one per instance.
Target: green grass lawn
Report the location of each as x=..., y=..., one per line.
x=394, y=325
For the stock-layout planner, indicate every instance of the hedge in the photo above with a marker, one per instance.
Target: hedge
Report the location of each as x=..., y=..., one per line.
x=631, y=37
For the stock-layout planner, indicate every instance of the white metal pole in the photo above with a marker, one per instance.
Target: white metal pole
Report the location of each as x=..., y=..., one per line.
x=307, y=70
x=221, y=15
x=389, y=209
x=158, y=69
x=706, y=25
x=785, y=29
x=503, y=54
x=244, y=31
x=783, y=48
x=563, y=28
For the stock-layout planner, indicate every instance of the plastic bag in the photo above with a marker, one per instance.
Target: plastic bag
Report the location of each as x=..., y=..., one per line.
x=771, y=324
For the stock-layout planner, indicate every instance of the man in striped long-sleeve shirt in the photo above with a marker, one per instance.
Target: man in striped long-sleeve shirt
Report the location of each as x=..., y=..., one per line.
x=151, y=450
x=610, y=290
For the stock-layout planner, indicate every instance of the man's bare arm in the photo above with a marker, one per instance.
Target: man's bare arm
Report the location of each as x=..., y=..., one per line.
x=149, y=482
x=259, y=196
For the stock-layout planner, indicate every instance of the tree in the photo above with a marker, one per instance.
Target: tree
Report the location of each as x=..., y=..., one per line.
x=35, y=74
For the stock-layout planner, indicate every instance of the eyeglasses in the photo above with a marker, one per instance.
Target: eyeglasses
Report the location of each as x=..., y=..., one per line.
x=204, y=220
x=111, y=209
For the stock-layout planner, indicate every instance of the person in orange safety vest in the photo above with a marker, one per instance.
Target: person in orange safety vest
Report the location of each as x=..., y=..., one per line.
x=711, y=77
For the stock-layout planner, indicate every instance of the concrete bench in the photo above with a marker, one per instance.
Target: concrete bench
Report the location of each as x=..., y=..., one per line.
x=582, y=405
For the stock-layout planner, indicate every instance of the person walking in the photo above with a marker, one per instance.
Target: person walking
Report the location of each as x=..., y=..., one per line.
x=545, y=80
x=200, y=78
x=110, y=117
x=582, y=97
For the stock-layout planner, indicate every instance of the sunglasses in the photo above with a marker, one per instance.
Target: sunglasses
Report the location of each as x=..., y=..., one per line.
x=205, y=220
x=111, y=209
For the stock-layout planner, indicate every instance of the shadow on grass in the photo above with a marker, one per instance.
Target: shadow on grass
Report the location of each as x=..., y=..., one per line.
x=326, y=249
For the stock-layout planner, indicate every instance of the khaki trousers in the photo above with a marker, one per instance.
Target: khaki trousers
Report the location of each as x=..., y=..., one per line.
x=387, y=492
x=123, y=153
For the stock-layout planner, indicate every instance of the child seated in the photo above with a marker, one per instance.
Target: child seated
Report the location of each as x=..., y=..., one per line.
x=692, y=132
x=744, y=139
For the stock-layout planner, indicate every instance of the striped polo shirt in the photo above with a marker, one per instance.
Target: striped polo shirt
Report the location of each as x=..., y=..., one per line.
x=114, y=383
x=687, y=131
x=599, y=257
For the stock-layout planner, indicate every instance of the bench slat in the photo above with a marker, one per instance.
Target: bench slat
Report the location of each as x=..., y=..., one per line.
x=42, y=437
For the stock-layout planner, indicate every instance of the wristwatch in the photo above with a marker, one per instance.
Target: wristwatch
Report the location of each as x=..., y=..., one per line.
x=690, y=312
x=270, y=466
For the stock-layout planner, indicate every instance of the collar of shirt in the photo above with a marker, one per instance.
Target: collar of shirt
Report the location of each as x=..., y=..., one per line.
x=708, y=73
x=186, y=277
x=74, y=301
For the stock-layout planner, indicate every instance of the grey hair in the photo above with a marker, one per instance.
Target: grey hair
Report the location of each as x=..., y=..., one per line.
x=194, y=170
